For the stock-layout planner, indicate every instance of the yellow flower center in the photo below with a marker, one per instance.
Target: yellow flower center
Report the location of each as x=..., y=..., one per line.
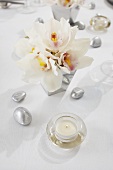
x=54, y=37
x=66, y=2
x=41, y=62
x=32, y=50
x=67, y=59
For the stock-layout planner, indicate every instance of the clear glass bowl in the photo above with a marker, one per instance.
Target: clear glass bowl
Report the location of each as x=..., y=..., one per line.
x=66, y=130
x=100, y=23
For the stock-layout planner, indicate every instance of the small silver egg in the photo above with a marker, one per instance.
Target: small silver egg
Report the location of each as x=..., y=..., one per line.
x=22, y=116
x=96, y=42
x=18, y=96
x=77, y=93
x=80, y=24
x=91, y=5
x=40, y=20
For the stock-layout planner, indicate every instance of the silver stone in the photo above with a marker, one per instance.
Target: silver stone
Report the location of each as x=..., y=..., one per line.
x=91, y=5
x=4, y=5
x=18, y=96
x=98, y=14
x=40, y=20
x=80, y=25
x=77, y=93
x=96, y=42
x=22, y=116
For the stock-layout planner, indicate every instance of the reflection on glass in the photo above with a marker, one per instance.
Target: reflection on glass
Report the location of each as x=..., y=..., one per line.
x=26, y=8
x=39, y=3
x=107, y=68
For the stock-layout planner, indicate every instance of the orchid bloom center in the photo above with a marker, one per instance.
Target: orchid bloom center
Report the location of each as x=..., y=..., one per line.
x=32, y=50
x=67, y=59
x=41, y=62
x=66, y=2
x=54, y=37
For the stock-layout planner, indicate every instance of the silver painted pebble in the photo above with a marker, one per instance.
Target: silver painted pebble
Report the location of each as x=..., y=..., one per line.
x=96, y=42
x=22, y=116
x=80, y=24
x=40, y=20
x=77, y=93
x=18, y=96
x=91, y=5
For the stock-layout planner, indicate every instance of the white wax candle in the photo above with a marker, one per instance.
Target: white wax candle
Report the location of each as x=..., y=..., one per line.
x=66, y=128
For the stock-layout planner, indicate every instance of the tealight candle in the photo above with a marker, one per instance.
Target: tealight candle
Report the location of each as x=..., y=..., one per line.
x=66, y=130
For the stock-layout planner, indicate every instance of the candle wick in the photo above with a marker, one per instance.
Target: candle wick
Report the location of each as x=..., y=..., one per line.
x=66, y=126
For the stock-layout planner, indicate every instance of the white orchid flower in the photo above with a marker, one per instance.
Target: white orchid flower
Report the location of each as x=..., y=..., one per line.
x=32, y=31
x=74, y=58
x=49, y=50
x=70, y=3
x=42, y=68
x=66, y=3
x=25, y=46
x=54, y=35
x=58, y=35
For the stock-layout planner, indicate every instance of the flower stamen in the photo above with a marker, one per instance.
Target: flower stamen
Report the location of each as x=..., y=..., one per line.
x=54, y=37
x=32, y=50
x=67, y=59
x=66, y=2
x=41, y=62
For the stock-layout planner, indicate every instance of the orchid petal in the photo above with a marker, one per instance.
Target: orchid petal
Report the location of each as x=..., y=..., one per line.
x=30, y=66
x=65, y=70
x=31, y=33
x=81, y=46
x=84, y=62
x=54, y=67
x=23, y=47
x=51, y=82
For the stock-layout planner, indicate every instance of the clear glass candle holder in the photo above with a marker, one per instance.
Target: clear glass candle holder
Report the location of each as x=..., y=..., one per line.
x=66, y=130
x=100, y=23
x=26, y=8
x=38, y=3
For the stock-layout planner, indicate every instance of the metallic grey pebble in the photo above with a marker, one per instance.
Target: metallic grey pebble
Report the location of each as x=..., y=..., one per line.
x=22, y=116
x=77, y=93
x=40, y=20
x=80, y=24
x=18, y=96
x=91, y=5
x=96, y=42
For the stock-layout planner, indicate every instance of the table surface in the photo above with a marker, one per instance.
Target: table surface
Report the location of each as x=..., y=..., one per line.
x=27, y=148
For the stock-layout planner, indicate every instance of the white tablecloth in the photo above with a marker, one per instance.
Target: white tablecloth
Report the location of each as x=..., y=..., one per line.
x=27, y=148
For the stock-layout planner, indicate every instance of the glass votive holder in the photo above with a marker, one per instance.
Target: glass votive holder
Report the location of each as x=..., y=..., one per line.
x=100, y=23
x=66, y=130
